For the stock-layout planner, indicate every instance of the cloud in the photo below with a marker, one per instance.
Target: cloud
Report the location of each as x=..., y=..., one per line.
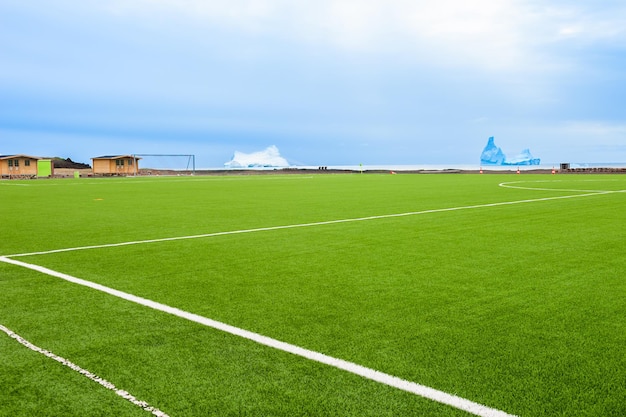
x=586, y=24
x=490, y=35
x=485, y=35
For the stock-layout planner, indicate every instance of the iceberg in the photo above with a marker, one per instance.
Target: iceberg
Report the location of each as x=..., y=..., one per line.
x=493, y=155
x=524, y=158
x=267, y=158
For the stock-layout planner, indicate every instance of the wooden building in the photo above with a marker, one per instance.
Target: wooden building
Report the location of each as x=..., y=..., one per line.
x=115, y=165
x=18, y=166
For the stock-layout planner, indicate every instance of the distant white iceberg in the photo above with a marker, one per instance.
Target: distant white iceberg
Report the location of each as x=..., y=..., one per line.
x=268, y=158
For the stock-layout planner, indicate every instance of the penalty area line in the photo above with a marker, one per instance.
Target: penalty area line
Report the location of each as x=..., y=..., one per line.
x=301, y=225
x=368, y=373
x=108, y=385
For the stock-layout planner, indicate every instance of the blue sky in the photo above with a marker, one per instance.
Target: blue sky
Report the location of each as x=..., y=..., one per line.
x=329, y=82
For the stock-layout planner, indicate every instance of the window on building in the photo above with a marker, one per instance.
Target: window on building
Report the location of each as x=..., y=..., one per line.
x=27, y=162
x=16, y=162
x=10, y=162
x=130, y=162
x=119, y=162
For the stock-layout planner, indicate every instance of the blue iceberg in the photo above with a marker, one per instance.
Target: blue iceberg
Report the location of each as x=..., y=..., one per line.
x=493, y=155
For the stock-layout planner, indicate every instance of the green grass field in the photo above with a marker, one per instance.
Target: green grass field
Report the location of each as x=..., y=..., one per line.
x=513, y=298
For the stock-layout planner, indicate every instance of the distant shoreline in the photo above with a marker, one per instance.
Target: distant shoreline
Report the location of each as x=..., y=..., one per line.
x=156, y=172
x=528, y=170
x=422, y=168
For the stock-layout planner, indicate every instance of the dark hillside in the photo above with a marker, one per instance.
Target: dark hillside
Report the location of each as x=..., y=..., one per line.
x=68, y=163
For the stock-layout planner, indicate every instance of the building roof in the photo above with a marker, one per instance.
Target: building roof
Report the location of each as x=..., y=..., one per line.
x=18, y=156
x=116, y=157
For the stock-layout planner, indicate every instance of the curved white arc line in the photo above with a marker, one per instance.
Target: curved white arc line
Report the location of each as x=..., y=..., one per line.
x=509, y=185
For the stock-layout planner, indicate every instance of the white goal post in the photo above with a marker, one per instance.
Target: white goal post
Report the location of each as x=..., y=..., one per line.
x=164, y=164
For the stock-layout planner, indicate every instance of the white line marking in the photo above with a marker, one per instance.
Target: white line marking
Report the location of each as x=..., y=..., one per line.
x=294, y=226
x=368, y=373
x=84, y=372
x=517, y=187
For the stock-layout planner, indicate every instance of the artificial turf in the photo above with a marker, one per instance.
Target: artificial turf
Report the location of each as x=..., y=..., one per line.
x=516, y=306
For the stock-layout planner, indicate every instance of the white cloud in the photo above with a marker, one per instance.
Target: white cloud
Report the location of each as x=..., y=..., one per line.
x=358, y=24
x=484, y=34
x=493, y=34
x=586, y=25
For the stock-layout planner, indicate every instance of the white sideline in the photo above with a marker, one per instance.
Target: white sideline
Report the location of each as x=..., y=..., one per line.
x=368, y=373
x=322, y=223
x=108, y=385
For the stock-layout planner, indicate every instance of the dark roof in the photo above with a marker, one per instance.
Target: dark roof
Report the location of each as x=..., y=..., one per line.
x=116, y=157
x=18, y=156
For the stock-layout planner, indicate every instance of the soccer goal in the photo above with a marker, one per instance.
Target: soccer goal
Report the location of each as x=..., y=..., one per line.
x=165, y=164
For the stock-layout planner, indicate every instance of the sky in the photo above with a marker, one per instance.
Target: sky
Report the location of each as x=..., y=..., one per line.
x=328, y=82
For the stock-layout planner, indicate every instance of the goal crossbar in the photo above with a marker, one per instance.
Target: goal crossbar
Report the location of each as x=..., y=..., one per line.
x=191, y=160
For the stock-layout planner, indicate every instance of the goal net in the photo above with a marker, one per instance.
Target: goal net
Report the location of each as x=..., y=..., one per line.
x=166, y=164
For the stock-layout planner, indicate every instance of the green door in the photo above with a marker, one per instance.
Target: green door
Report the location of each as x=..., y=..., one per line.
x=44, y=168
